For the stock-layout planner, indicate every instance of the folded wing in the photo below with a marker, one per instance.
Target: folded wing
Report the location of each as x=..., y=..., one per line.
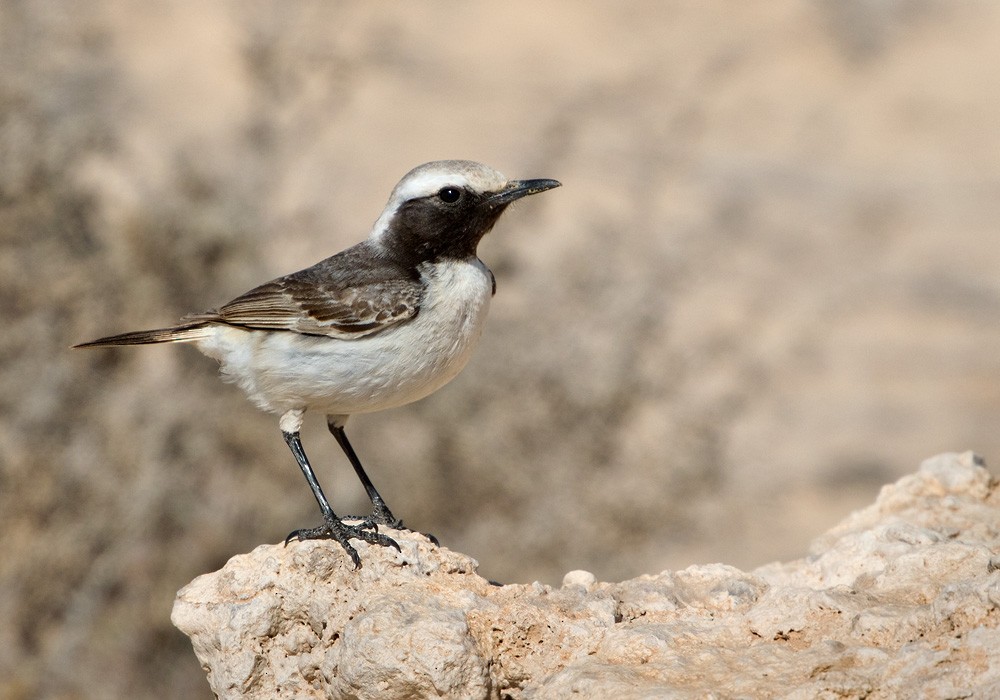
x=337, y=306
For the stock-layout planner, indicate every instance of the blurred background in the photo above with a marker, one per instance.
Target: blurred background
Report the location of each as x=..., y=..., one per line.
x=768, y=286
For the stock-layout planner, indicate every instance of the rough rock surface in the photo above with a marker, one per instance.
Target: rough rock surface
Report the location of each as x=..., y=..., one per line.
x=902, y=599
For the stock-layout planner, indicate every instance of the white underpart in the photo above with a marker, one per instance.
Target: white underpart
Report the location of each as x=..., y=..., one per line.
x=288, y=373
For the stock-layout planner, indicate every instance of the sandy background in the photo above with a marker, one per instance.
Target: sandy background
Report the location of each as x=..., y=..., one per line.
x=768, y=286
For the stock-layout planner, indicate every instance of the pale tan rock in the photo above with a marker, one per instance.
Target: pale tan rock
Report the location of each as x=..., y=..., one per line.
x=578, y=577
x=902, y=599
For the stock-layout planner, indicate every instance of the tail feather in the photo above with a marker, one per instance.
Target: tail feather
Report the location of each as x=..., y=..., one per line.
x=177, y=334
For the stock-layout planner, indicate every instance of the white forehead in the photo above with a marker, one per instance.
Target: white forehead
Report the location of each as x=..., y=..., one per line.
x=429, y=178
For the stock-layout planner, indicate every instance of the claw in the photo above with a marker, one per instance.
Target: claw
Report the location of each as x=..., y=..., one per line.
x=342, y=533
x=382, y=516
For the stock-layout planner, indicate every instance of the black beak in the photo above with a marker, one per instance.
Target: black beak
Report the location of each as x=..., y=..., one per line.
x=516, y=189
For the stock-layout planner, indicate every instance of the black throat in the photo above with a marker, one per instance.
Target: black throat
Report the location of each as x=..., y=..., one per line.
x=426, y=229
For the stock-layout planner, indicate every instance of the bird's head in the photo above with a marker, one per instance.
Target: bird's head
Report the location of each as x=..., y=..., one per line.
x=442, y=209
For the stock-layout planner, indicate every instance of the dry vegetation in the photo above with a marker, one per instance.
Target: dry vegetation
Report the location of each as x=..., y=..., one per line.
x=768, y=285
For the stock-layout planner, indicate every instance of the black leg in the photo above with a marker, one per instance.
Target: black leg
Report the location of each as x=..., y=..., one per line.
x=380, y=511
x=381, y=515
x=332, y=526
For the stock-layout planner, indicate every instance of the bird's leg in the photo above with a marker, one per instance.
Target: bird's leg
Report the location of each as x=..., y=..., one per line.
x=332, y=526
x=380, y=515
x=380, y=511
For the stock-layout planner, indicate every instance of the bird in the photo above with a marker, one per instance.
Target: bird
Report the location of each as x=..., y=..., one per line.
x=381, y=324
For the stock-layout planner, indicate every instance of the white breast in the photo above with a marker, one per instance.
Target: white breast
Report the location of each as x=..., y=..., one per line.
x=281, y=371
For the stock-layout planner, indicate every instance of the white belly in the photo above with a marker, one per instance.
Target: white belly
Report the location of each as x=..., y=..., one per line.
x=282, y=371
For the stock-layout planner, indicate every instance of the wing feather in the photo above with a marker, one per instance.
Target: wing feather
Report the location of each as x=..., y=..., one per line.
x=335, y=298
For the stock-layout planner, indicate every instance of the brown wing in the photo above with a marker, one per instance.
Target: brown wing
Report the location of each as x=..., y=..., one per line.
x=333, y=298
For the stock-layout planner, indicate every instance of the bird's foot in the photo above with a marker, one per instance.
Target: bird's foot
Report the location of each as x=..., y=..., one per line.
x=381, y=515
x=335, y=529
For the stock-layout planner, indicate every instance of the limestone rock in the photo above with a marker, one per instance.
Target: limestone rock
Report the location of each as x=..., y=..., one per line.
x=902, y=599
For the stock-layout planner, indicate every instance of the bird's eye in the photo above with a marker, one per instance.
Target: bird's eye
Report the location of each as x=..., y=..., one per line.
x=449, y=195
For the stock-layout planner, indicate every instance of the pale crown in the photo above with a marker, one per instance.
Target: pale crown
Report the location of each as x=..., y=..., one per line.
x=428, y=179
